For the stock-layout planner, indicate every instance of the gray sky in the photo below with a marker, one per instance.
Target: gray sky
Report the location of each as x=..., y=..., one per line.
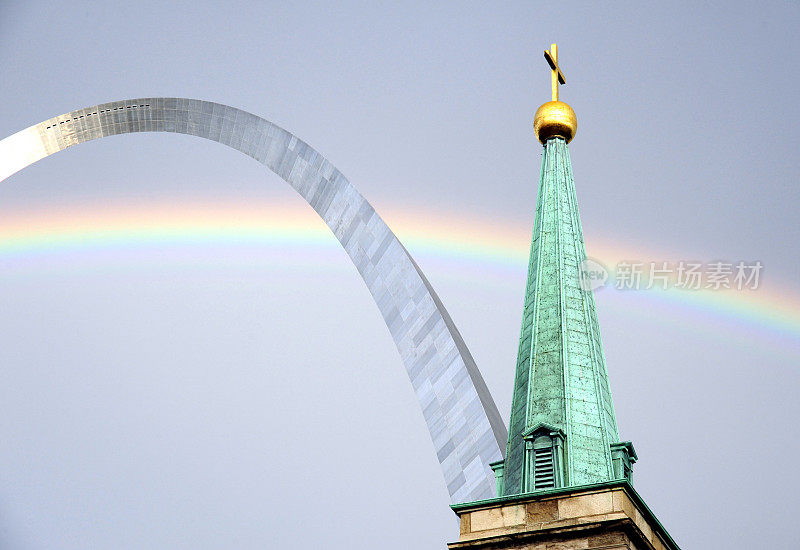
x=174, y=397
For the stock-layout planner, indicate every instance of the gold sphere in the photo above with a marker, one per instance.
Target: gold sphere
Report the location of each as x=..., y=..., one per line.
x=555, y=118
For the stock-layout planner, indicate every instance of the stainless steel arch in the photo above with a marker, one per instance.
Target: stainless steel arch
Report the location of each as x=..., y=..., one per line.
x=467, y=430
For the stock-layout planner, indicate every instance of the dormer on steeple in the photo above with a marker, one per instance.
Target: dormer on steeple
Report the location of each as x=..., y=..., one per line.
x=544, y=458
x=622, y=457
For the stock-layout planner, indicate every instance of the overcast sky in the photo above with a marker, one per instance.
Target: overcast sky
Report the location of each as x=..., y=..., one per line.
x=169, y=396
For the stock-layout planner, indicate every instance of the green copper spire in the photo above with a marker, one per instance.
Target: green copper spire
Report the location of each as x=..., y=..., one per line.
x=563, y=430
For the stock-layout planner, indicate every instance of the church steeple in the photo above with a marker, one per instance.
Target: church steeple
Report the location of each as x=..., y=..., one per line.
x=563, y=431
x=565, y=479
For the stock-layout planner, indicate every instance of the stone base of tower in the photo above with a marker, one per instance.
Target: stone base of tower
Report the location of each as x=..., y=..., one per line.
x=605, y=516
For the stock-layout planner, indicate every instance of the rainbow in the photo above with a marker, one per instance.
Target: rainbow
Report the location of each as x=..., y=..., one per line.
x=483, y=251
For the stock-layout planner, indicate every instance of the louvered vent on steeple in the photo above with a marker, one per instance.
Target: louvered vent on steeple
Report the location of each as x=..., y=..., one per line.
x=543, y=468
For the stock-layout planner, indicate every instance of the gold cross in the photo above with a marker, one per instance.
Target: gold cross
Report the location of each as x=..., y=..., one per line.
x=556, y=74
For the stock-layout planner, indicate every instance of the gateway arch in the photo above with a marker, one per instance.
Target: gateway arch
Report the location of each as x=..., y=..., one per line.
x=464, y=423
